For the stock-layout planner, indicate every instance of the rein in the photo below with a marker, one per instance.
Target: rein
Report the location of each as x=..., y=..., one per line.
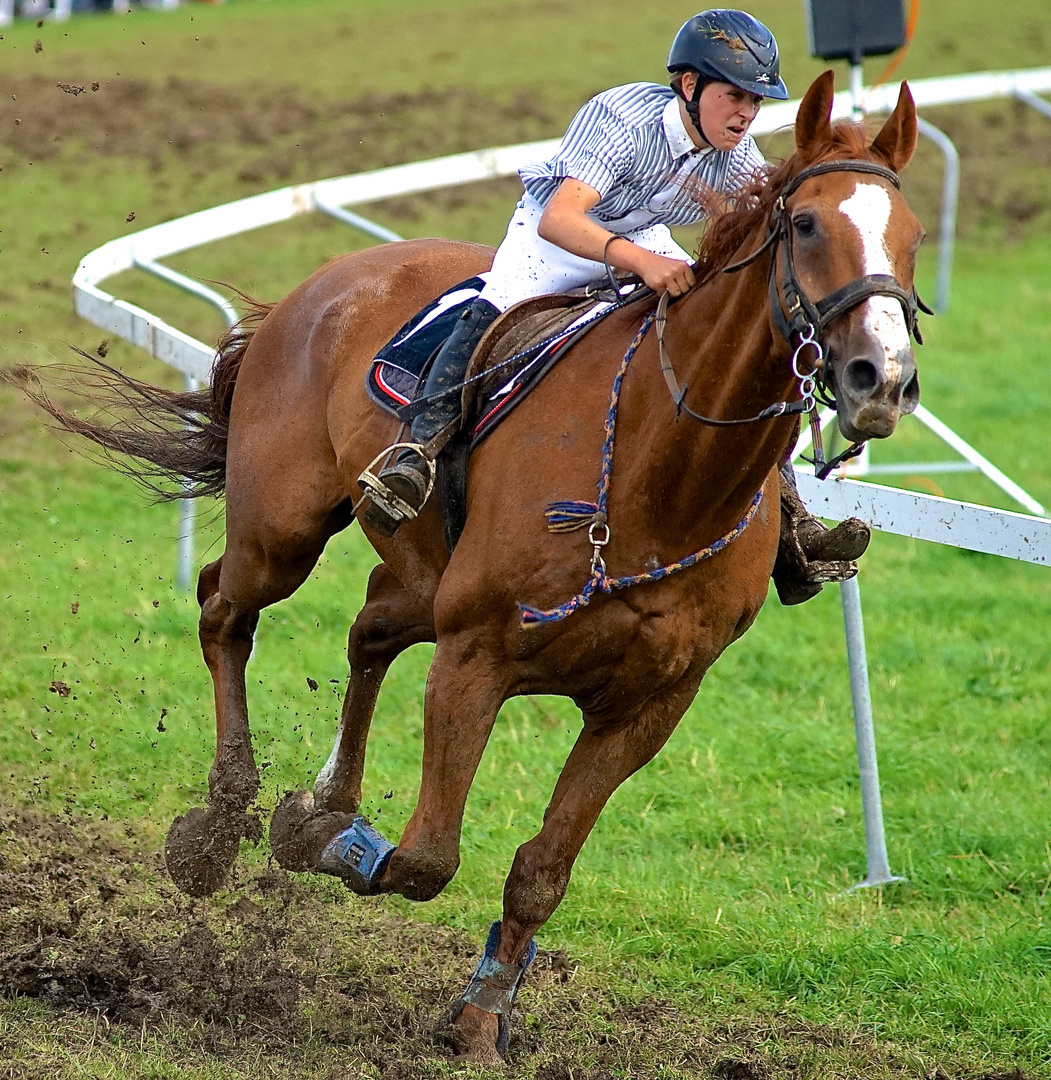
x=801, y=321
x=568, y=516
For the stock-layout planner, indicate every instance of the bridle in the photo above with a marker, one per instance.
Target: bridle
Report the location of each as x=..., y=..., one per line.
x=801, y=321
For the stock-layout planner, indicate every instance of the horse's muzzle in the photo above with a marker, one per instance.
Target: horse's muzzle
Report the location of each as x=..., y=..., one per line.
x=873, y=392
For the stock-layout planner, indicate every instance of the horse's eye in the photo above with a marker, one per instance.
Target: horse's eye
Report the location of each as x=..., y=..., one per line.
x=804, y=226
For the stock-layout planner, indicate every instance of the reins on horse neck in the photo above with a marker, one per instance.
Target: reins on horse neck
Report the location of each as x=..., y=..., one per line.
x=779, y=408
x=568, y=516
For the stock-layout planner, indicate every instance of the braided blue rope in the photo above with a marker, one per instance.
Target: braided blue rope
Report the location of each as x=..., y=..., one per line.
x=568, y=515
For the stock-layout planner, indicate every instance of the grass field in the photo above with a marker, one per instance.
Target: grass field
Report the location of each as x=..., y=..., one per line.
x=707, y=930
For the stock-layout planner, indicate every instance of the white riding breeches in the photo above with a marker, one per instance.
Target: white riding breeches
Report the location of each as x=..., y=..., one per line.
x=526, y=265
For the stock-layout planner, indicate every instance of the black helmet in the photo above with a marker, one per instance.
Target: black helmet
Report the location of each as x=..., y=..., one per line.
x=729, y=46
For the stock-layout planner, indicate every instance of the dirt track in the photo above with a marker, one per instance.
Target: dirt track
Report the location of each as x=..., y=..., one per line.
x=320, y=983
x=266, y=136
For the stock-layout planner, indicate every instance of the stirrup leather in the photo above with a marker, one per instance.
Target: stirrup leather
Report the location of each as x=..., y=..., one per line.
x=381, y=495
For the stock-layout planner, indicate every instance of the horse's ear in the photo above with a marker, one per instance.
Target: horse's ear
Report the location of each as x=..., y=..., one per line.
x=814, y=119
x=896, y=141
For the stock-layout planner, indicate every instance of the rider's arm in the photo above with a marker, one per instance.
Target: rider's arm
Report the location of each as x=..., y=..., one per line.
x=565, y=223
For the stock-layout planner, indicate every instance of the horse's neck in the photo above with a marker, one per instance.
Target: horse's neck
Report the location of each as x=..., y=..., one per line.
x=721, y=345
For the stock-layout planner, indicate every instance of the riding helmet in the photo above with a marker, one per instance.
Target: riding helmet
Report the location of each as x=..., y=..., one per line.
x=729, y=46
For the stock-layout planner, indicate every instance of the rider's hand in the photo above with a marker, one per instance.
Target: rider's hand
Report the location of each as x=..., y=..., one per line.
x=662, y=274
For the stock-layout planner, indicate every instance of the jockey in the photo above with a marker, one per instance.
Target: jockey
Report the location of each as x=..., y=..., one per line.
x=628, y=166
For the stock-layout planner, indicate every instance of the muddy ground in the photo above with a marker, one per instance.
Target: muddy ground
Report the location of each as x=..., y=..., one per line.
x=317, y=982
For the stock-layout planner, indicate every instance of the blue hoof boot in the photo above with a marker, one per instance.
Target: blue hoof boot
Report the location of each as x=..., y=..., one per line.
x=358, y=855
x=494, y=988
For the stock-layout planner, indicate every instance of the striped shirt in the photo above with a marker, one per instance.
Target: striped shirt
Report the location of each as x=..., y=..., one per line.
x=631, y=146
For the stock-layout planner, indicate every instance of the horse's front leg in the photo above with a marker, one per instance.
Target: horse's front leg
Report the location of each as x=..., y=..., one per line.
x=464, y=692
x=304, y=822
x=604, y=756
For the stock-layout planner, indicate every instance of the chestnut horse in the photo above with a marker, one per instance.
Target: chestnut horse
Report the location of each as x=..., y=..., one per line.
x=300, y=431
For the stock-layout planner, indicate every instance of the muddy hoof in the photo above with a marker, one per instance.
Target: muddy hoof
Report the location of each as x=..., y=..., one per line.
x=299, y=833
x=471, y=1034
x=200, y=849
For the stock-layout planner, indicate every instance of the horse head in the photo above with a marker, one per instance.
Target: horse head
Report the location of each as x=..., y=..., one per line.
x=851, y=240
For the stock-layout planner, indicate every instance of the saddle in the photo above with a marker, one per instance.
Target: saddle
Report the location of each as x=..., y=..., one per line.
x=521, y=346
x=516, y=352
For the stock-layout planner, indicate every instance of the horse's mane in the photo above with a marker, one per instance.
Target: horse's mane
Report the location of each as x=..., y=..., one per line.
x=729, y=229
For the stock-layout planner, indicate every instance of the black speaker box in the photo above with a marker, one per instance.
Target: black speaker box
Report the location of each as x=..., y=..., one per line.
x=852, y=29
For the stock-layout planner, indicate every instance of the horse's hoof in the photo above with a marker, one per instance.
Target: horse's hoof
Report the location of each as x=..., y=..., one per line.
x=472, y=1034
x=299, y=833
x=200, y=849
x=358, y=855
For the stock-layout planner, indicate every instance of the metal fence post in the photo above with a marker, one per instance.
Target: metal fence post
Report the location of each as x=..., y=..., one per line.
x=947, y=220
x=868, y=769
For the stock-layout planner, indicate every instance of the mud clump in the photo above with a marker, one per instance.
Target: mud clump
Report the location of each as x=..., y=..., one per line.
x=129, y=980
x=91, y=927
x=68, y=938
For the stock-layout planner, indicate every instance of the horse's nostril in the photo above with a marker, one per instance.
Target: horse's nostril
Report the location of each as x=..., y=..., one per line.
x=910, y=396
x=860, y=376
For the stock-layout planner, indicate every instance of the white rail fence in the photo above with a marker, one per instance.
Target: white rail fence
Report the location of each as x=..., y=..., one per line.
x=906, y=513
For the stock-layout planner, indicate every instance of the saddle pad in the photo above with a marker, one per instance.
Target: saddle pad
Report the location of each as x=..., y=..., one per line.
x=516, y=352
x=520, y=349
x=402, y=362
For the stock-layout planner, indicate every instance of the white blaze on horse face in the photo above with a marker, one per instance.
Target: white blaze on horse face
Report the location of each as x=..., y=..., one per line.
x=869, y=210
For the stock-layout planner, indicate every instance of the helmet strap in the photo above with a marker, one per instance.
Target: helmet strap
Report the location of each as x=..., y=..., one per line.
x=693, y=105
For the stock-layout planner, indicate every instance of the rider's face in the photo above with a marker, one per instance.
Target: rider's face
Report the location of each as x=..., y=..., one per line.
x=727, y=112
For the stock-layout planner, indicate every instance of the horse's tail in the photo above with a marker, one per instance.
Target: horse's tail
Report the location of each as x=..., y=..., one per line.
x=176, y=439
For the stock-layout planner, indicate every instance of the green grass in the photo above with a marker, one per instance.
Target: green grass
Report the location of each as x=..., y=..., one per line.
x=717, y=877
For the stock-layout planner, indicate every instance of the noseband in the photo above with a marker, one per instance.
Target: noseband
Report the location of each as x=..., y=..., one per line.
x=801, y=321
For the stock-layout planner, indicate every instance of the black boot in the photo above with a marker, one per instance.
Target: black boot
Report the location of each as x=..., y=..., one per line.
x=401, y=489
x=809, y=553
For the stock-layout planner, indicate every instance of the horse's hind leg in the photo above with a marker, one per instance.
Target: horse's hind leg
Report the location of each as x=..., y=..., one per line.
x=202, y=845
x=603, y=757
x=390, y=622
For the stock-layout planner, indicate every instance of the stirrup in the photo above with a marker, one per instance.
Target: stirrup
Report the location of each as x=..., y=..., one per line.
x=390, y=504
x=359, y=855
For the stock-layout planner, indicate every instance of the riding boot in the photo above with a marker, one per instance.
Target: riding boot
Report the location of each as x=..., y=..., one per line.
x=810, y=554
x=401, y=489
